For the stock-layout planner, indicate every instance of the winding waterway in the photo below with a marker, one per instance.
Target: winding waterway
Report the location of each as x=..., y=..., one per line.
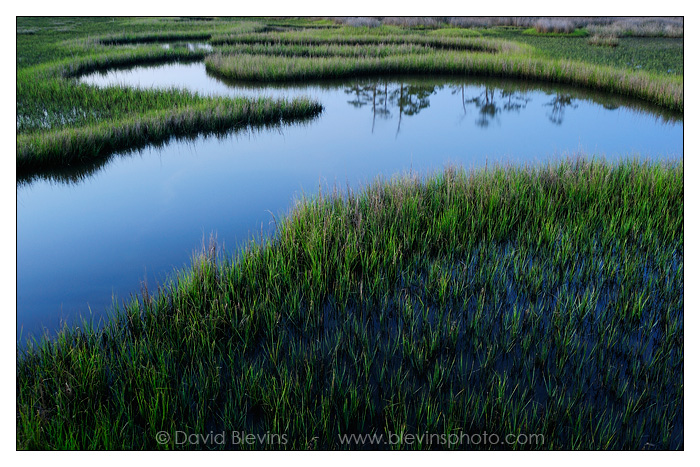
x=90, y=237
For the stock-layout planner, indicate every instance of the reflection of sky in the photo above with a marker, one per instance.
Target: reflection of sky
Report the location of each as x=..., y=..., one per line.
x=144, y=214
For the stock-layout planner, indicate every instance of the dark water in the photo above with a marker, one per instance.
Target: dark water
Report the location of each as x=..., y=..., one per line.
x=92, y=235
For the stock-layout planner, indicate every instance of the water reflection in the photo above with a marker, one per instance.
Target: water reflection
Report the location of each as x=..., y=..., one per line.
x=409, y=99
x=405, y=98
x=559, y=104
x=78, y=173
x=191, y=46
x=491, y=103
x=389, y=99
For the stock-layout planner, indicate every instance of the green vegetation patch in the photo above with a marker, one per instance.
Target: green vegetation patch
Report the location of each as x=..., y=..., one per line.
x=455, y=32
x=604, y=41
x=575, y=33
x=543, y=302
x=156, y=37
x=659, y=55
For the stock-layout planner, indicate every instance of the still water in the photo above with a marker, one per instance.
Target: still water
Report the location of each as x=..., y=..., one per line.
x=90, y=237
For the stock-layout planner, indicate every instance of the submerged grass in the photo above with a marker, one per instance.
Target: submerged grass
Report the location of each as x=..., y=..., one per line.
x=544, y=301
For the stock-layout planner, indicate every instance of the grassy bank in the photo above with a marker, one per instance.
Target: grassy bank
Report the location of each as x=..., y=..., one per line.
x=504, y=301
x=664, y=92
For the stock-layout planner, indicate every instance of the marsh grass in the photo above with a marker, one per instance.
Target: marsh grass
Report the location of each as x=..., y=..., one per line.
x=544, y=300
x=559, y=26
x=604, y=40
x=641, y=27
x=323, y=50
x=554, y=31
x=316, y=54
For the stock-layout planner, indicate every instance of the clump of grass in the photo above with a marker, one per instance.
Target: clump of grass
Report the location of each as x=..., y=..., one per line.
x=604, y=40
x=553, y=31
x=360, y=22
x=546, y=301
x=450, y=32
x=127, y=38
x=641, y=27
x=559, y=26
x=323, y=50
x=48, y=98
x=413, y=21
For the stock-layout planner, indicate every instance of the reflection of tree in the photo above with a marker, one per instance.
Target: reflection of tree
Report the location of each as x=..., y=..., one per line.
x=364, y=95
x=408, y=99
x=559, y=104
x=515, y=100
x=411, y=100
x=360, y=94
x=492, y=99
x=460, y=89
x=487, y=107
x=379, y=104
x=491, y=104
